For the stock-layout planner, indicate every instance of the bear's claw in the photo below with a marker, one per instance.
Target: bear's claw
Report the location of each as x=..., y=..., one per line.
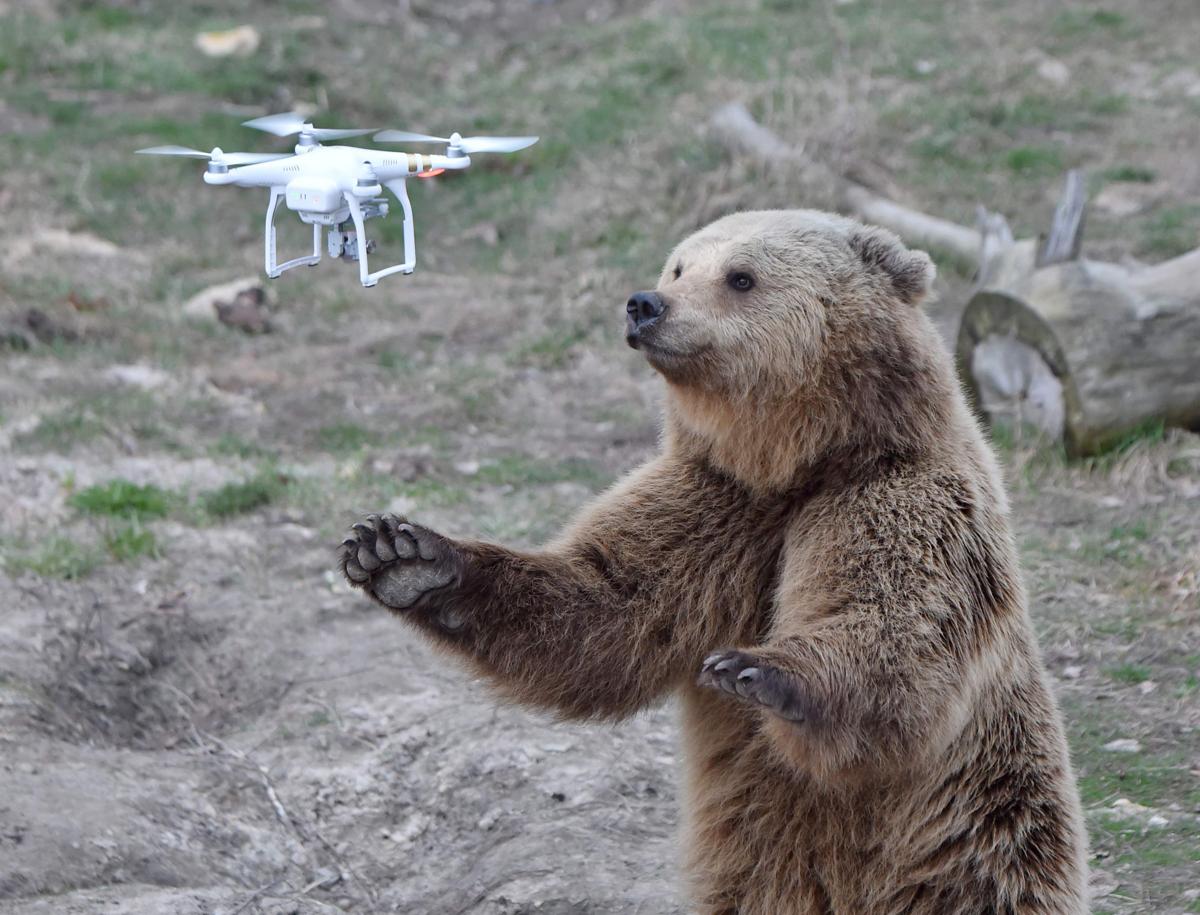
x=396, y=562
x=743, y=676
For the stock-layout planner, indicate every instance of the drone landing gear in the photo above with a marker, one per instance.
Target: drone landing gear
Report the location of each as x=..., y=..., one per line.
x=365, y=276
x=350, y=244
x=275, y=269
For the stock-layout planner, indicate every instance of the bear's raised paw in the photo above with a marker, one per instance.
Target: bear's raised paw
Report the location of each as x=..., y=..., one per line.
x=398, y=563
x=742, y=675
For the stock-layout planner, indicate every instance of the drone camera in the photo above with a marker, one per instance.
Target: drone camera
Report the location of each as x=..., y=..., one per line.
x=343, y=242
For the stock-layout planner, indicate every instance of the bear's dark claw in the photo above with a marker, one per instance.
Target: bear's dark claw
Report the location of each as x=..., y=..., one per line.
x=404, y=538
x=741, y=675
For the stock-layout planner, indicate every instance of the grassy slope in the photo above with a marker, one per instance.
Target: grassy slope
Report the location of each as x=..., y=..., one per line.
x=940, y=104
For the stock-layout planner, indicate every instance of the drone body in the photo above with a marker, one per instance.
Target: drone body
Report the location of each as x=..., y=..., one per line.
x=338, y=188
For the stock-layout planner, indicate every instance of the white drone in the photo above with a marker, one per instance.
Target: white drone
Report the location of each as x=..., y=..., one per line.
x=338, y=186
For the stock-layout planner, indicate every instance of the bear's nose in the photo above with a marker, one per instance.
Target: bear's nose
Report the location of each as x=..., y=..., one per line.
x=643, y=309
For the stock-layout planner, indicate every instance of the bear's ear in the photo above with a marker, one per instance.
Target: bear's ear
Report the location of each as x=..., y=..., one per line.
x=911, y=272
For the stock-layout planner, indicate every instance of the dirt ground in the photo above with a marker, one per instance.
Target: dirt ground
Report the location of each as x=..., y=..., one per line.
x=197, y=716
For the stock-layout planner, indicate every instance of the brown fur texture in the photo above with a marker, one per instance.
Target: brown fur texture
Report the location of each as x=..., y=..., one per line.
x=820, y=565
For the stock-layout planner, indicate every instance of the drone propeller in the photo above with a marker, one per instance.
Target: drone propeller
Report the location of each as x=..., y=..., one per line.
x=216, y=156
x=288, y=123
x=467, y=145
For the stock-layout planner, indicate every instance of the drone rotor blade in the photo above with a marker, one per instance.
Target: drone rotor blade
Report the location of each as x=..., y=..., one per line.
x=404, y=136
x=471, y=145
x=326, y=133
x=290, y=122
x=233, y=158
x=242, y=158
x=174, y=151
x=282, y=125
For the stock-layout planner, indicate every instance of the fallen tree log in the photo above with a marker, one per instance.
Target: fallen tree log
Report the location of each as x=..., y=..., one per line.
x=1079, y=350
x=1086, y=352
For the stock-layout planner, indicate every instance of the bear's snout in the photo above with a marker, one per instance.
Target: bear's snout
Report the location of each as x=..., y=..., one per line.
x=643, y=310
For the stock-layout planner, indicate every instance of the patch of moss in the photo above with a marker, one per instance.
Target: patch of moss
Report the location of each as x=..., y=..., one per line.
x=123, y=499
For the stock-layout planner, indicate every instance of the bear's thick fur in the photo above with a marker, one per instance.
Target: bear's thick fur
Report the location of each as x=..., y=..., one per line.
x=819, y=564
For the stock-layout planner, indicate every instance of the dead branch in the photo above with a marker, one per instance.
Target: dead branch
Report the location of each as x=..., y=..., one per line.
x=738, y=129
x=1066, y=229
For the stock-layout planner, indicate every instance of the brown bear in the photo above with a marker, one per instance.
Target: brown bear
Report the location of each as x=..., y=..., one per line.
x=819, y=565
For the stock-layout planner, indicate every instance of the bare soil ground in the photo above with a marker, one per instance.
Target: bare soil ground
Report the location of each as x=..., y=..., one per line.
x=196, y=716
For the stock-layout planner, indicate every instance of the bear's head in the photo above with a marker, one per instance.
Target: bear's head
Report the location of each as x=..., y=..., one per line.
x=786, y=332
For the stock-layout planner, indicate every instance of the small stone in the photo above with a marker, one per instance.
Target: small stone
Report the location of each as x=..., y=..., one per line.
x=1054, y=71
x=1157, y=821
x=138, y=376
x=1123, y=745
x=924, y=67
x=1072, y=672
x=1125, y=806
x=236, y=42
x=1123, y=200
x=467, y=468
x=1146, y=687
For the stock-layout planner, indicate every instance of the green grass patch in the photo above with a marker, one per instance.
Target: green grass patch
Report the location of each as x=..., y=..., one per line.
x=519, y=470
x=60, y=432
x=1150, y=432
x=1131, y=674
x=56, y=557
x=1085, y=23
x=395, y=361
x=1170, y=232
x=551, y=350
x=230, y=445
x=1143, y=779
x=1122, y=544
x=129, y=541
x=123, y=499
x=1149, y=778
x=245, y=496
x=1035, y=161
x=431, y=491
x=346, y=437
x=1130, y=843
x=1129, y=173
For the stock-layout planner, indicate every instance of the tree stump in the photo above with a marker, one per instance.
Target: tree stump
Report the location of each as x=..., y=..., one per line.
x=1083, y=351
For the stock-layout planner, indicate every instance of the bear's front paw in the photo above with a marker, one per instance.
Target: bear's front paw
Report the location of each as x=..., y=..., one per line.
x=399, y=563
x=745, y=677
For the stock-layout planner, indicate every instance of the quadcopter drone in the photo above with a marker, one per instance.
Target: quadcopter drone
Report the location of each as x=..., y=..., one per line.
x=338, y=187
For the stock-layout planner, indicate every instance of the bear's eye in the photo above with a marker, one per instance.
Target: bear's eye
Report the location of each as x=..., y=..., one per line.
x=742, y=282
x=678, y=270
